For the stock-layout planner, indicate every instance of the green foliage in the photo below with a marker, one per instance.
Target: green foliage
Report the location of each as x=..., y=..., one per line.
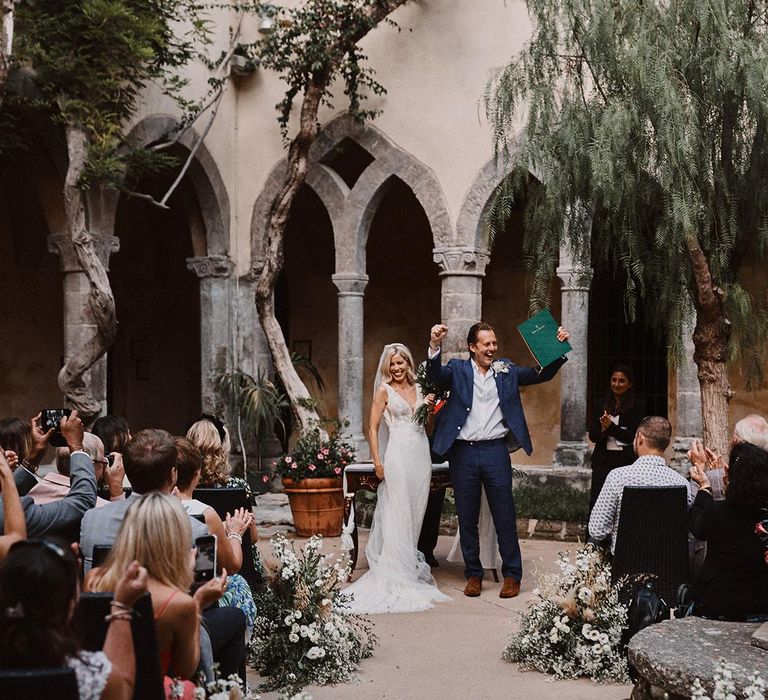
x=649, y=120
x=552, y=503
x=316, y=41
x=316, y=455
x=258, y=402
x=92, y=60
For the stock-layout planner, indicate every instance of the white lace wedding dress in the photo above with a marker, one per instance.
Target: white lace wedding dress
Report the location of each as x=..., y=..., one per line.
x=398, y=579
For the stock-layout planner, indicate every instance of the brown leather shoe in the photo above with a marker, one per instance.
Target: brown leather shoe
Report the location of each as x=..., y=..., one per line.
x=474, y=586
x=510, y=589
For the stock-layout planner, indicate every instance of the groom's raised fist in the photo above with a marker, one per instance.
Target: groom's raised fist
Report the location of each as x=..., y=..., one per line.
x=438, y=332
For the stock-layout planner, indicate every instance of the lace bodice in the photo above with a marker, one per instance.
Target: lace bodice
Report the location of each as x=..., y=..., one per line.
x=399, y=413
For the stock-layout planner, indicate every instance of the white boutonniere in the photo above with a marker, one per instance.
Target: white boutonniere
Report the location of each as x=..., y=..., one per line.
x=500, y=366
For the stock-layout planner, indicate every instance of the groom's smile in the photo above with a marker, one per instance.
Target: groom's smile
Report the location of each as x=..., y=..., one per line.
x=484, y=349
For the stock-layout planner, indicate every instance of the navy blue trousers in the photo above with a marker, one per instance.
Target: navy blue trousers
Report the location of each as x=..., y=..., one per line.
x=485, y=464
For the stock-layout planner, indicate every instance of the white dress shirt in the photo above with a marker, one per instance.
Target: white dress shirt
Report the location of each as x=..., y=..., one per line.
x=485, y=420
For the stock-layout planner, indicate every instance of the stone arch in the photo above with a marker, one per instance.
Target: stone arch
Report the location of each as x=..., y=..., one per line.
x=203, y=173
x=351, y=210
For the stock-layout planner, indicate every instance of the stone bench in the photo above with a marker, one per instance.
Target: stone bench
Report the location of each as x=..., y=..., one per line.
x=671, y=654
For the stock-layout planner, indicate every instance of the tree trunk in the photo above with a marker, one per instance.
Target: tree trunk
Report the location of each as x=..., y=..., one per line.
x=101, y=302
x=6, y=41
x=296, y=174
x=298, y=154
x=710, y=340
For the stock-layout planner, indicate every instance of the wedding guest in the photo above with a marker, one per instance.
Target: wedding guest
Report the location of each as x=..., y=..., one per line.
x=115, y=433
x=652, y=438
x=733, y=581
x=211, y=437
x=25, y=445
x=38, y=591
x=56, y=485
x=150, y=464
x=155, y=532
x=15, y=525
x=612, y=428
x=63, y=517
x=480, y=424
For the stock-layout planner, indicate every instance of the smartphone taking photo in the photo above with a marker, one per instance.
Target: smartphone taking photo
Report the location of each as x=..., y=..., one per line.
x=205, y=560
x=51, y=418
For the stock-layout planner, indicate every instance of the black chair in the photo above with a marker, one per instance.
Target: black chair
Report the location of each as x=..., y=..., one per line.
x=91, y=610
x=100, y=553
x=652, y=537
x=59, y=683
x=227, y=500
x=199, y=517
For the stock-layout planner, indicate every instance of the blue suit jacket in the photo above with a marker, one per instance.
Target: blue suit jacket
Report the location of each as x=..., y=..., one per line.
x=457, y=376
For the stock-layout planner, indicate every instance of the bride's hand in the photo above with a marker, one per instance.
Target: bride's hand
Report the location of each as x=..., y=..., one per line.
x=379, y=469
x=429, y=399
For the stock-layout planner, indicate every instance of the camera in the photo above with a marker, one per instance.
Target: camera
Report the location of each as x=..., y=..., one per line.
x=51, y=418
x=111, y=459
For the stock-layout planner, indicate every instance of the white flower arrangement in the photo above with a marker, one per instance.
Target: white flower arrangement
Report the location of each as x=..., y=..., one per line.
x=725, y=688
x=304, y=633
x=574, y=628
x=500, y=366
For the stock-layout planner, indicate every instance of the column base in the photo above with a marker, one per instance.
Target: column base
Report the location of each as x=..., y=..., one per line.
x=570, y=454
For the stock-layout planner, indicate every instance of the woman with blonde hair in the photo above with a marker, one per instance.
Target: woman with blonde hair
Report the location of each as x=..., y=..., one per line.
x=211, y=437
x=156, y=533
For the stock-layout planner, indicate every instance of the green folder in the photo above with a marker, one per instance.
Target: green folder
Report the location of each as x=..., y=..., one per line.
x=540, y=335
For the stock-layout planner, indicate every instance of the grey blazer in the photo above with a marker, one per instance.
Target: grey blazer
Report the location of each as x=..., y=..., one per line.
x=62, y=517
x=100, y=526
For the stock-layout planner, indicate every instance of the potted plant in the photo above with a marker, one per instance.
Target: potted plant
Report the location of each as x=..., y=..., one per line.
x=311, y=475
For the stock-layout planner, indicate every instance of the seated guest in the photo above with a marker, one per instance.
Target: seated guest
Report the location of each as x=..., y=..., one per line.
x=114, y=432
x=733, y=581
x=154, y=532
x=150, y=465
x=752, y=429
x=63, y=517
x=211, y=437
x=56, y=485
x=25, y=446
x=15, y=525
x=230, y=537
x=38, y=591
x=652, y=438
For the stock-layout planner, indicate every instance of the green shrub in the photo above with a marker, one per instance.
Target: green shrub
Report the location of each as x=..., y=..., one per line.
x=552, y=503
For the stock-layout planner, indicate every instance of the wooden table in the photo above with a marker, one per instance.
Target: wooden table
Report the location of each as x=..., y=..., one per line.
x=362, y=476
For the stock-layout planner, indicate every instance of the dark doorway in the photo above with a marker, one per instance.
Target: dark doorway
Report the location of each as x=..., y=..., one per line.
x=153, y=372
x=613, y=340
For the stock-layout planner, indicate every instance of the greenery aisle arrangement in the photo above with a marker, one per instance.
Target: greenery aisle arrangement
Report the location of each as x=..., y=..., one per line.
x=574, y=629
x=305, y=633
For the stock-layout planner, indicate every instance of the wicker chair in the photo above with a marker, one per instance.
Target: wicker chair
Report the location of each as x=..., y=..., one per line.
x=90, y=613
x=226, y=500
x=652, y=537
x=59, y=683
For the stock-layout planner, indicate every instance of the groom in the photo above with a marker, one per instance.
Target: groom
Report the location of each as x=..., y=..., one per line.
x=481, y=423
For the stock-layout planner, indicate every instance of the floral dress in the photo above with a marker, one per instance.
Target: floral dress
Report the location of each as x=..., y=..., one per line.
x=92, y=669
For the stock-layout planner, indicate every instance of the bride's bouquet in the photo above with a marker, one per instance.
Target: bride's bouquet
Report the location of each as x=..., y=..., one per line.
x=424, y=411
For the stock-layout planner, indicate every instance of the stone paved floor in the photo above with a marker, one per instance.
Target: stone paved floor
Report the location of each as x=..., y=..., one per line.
x=453, y=652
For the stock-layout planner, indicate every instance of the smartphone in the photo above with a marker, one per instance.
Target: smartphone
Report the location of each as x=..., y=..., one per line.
x=51, y=418
x=111, y=459
x=205, y=561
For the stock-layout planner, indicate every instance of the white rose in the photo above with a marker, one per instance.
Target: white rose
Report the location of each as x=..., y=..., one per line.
x=293, y=637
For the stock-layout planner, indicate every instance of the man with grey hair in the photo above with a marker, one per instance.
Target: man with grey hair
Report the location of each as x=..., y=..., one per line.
x=753, y=429
x=56, y=485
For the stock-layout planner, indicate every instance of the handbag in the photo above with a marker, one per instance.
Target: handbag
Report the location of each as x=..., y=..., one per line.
x=646, y=607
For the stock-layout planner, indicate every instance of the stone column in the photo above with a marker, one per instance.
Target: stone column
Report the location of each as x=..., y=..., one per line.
x=214, y=272
x=462, y=270
x=688, y=390
x=576, y=278
x=79, y=325
x=351, y=286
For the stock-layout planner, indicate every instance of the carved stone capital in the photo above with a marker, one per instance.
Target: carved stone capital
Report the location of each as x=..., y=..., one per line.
x=62, y=245
x=350, y=284
x=461, y=261
x=211, y=266
x=575, y=279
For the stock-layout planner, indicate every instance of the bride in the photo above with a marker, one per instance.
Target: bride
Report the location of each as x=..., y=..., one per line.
x=398, y=579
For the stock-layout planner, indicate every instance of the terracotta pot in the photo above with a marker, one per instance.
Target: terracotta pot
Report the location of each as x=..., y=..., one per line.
x=317, y=506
